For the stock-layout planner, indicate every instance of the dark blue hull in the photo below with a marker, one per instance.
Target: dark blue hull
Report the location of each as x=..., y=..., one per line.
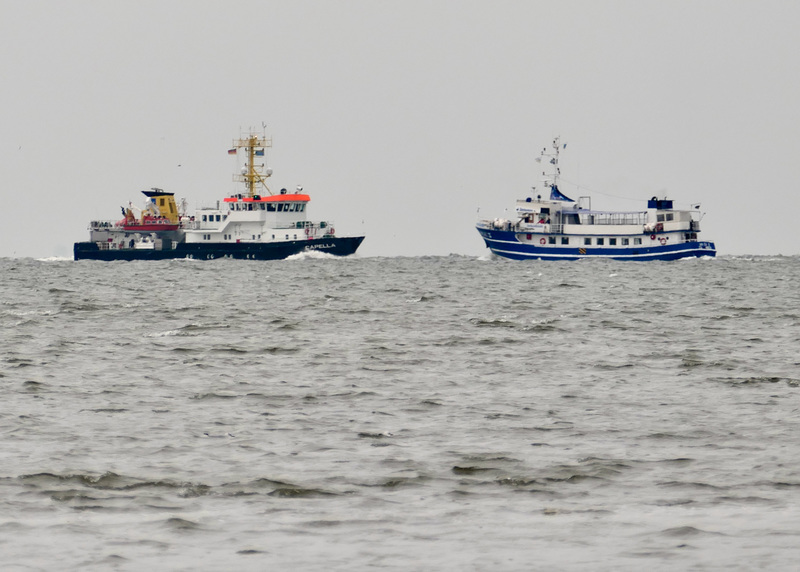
x=504, y=243
x=338, y=246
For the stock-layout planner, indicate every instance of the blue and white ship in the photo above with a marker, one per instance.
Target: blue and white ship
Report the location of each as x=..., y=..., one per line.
x=559, y=228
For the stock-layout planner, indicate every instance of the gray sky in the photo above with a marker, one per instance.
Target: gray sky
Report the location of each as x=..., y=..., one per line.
x=402, y=118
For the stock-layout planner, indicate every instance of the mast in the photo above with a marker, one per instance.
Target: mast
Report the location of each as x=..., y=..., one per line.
x=254, y=146
x=552, y=180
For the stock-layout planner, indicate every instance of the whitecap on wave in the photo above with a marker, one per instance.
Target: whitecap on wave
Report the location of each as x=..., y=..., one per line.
x=312, y=254
x=166, y=334
x=55, y=259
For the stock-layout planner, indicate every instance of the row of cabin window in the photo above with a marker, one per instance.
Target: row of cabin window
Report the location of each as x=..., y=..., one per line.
x=270, y=207
x=210, y=218
x=611, y=241
x=598, y=241
x=230, y=237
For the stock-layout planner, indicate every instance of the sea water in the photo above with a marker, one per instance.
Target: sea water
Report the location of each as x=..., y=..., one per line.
x=442, y=413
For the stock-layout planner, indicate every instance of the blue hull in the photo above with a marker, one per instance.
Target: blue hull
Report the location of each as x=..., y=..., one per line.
x=504, y=243
x=338, y=246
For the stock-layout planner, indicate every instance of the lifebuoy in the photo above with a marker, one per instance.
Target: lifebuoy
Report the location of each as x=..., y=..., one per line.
x=662, y=240
x=542, y=240
x=333, y=230
x=652, y=237
x=308, y=230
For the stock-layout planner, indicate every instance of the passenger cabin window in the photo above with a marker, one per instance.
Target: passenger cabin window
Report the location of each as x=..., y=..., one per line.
x=552, y=240
x=600, y=241
x=669, y=216
x=587, y=241
x=204, y=218
x=625, y=242
x=637, y=241
x=564, y=240
x=612, y=241
x=660, y=218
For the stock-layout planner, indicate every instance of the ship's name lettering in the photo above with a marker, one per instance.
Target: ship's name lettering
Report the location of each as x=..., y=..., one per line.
x=318, y=246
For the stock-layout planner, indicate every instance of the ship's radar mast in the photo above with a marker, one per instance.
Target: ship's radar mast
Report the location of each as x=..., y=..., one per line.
x=254, y=146
x=550, y=180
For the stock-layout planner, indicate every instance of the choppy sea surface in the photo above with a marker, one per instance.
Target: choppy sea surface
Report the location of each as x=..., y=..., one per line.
x=443, y=413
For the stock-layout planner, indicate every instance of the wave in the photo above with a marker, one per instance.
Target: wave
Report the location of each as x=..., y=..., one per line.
x=55, y=259
x=312, y=255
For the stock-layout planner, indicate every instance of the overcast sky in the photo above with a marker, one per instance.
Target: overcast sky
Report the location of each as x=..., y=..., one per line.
x=402, y=119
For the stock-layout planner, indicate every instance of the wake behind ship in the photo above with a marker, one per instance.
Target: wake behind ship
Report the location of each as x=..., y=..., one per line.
x=256, y=224
x=559, y=228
